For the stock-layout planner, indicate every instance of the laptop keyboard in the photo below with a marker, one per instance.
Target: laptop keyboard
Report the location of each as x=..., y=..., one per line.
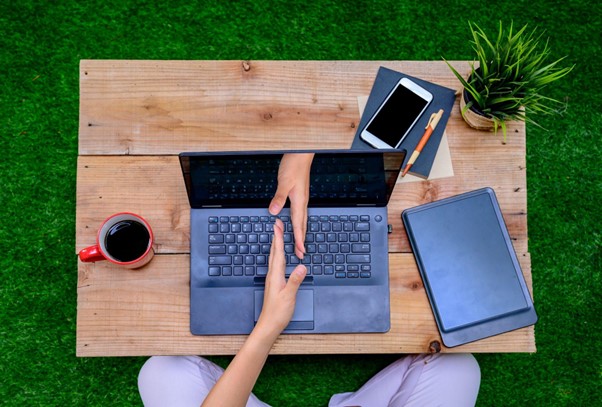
x=337, y=246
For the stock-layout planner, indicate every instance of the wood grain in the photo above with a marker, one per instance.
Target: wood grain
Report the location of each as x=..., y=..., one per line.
x=136, y=116
x=146, y=312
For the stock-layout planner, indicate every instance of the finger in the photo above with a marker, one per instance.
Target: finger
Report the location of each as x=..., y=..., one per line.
x=295, y=279
x=277, y=261
x=299, y=219
x=279, y=199
x=277, y=249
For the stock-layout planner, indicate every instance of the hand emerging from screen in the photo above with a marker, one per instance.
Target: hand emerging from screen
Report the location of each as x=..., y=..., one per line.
x=293, y=182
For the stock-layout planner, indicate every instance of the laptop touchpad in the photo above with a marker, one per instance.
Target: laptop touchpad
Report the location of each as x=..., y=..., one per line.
x=303, y=317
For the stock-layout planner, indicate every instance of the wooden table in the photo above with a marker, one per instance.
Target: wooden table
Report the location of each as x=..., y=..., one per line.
x=136, y=116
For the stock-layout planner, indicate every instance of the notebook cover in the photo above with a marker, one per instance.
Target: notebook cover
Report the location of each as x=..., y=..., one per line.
x=443, y=98
x=469, y=268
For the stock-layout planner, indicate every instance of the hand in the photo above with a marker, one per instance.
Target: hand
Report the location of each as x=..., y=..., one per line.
x=279, y=296
x=293, y=182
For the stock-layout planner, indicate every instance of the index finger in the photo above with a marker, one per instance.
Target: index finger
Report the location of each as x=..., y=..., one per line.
x=299, y=220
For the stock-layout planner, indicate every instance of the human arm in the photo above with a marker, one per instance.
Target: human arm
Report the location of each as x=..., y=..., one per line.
x=293, y=182
x=236, y=384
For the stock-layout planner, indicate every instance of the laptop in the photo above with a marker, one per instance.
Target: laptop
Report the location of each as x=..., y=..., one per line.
x=346, y=289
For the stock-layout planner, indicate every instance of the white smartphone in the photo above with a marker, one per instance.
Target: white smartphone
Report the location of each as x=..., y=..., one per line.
x=397, y=115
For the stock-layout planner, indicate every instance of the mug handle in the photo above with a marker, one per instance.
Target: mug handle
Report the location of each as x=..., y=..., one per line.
x=91, y=254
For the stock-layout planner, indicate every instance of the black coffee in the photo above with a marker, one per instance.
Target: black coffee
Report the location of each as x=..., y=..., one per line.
x=127, y=240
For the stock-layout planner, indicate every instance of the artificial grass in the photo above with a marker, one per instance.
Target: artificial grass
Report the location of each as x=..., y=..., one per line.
x=41, y=44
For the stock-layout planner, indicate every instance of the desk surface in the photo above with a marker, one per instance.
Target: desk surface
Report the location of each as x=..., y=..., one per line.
x=136, y=116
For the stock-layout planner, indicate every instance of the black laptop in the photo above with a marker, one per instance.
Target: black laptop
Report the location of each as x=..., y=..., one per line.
x=346, y=289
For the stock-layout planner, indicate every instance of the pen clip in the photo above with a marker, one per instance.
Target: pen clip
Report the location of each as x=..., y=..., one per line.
x=430, y=120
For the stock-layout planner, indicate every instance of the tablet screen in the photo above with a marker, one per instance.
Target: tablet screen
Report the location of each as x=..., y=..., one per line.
x=468, y=262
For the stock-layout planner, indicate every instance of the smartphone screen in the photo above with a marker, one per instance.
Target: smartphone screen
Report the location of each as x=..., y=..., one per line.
x=395, y=118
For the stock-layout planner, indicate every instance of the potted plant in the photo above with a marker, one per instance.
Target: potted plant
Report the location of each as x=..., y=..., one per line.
x=511, y=73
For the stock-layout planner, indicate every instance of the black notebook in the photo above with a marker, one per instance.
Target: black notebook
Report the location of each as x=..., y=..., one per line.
x=443, y=98
x=469, y=268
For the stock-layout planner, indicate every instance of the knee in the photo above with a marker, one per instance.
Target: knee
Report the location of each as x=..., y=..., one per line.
x=459, y=370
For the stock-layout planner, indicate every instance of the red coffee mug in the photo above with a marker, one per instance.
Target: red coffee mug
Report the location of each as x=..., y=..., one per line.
x=125, y=239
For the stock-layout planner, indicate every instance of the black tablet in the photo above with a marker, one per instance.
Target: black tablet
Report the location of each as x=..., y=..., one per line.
x=469, y=268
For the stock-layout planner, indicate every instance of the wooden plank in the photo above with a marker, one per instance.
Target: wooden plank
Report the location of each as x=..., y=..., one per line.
x=153, y=187
x=146, y=312
x=165, y=107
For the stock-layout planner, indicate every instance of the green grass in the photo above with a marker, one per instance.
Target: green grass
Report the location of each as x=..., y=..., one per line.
x=41, y=44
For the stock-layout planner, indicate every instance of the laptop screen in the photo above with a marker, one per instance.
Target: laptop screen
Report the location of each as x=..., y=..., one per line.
x=343, y=178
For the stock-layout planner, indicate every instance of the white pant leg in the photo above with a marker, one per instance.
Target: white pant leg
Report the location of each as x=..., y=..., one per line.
x=180, y=381
x=419, y=380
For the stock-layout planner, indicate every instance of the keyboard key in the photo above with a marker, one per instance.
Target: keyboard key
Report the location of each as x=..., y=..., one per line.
x=261, y=260
x=328, y=258
x=234, y=219
x=322, y=248
x=241, y=238
x=331, y=237
x=365, y=267
x=249, y=271
x=328, y=270
x=340, y=274
x=325, y=227
x=264, y=238
x=253, y=238
x=249, y=260
x=224, y=219
x=232, y=249
x=243, y=249
x=217, y=249
x=362, y=227
x=214, y=271
x=365, y=274
x=262, y=271
x=288, y=238
x=226, y=271
x=224, y=228
x=316, y=258
x=360, y=248
x=345, y=248
x=311, y=248
x=316, y=270
x=212, y=219
x=213, y=228
x=255, y=249
x=339, y=268
x=348, y=227
x=353, y=218
x=333, y=248
x=353, y=274
x=265, y=249
x=364, y=237
x=353, y=267
x=213, y=239
x=342, y=237
x=339, y=259
x=358, y=258
x=365, y=218
x=238, y=259
x=354, y=237
x=314, y=227
x=220, y=260
x=230, y=238
x=337, y=227
x=238, y=270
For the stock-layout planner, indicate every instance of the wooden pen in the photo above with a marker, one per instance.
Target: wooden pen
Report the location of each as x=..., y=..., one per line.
x=430, y=127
